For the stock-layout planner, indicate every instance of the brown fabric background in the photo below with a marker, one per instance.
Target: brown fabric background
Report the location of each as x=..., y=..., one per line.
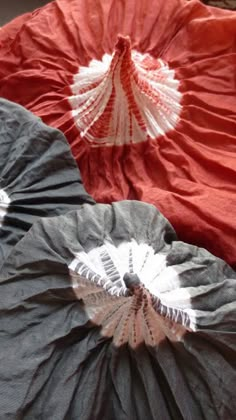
x=224, y=4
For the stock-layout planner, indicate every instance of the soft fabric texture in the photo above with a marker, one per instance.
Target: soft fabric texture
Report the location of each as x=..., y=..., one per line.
x=224, y=4
x=182, y=161
x=106, y=315
x=38, y=174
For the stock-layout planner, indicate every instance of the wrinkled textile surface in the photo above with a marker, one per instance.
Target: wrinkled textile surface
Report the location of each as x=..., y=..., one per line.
x=56, y=364
x=38, y=174
x=189, y=173
x=224, y=4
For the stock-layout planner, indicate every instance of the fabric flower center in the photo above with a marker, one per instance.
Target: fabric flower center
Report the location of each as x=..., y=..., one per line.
x=128, y=97
x=120, y=288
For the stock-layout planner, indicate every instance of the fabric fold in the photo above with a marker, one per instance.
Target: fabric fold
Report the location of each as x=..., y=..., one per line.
x=69, y=339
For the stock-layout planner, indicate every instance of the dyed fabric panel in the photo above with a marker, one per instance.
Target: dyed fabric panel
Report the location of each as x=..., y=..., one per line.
x=105, y=301
x=149, y=115
x=38, y=174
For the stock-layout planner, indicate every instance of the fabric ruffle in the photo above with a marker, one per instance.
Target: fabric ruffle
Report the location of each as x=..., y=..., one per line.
x=106, y=301
x=38, y=175
x=188, y=172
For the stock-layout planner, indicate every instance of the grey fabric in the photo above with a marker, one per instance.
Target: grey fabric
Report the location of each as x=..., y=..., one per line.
x=55, y=363
x=37, y=172
x=12, y=8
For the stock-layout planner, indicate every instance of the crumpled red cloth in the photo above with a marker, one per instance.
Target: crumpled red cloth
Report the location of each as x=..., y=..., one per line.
x=190, y=172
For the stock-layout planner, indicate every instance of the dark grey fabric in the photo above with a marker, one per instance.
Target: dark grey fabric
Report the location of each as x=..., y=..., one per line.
x=12, y=8
x=37, y=172
x=55, y=364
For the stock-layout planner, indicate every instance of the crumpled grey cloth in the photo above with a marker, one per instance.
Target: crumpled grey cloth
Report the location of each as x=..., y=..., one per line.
x=38, y=175
x=58, y=361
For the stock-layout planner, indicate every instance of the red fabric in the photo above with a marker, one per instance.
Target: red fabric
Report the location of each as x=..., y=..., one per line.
x=190, y=173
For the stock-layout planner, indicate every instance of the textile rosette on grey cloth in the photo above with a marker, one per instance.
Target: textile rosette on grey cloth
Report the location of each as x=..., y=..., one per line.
x=38, y=175
x=106, y=315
